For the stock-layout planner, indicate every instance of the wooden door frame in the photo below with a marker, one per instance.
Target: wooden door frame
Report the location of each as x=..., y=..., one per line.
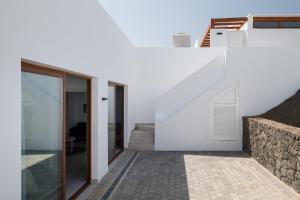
x=114, y=84
x=37, y=69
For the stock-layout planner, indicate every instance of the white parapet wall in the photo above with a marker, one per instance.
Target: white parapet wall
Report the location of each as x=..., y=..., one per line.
x=263, y=77
x=273, y=38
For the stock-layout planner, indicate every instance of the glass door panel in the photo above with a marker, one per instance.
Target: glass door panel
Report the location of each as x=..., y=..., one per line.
x=115, y=121
x=77, y=137
x=42, y=132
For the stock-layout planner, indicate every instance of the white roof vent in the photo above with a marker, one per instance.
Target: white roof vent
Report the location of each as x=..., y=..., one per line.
x=181, y=40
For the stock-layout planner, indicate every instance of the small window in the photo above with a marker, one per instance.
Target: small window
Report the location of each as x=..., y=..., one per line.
x=276, y=22
x=290, y=24
x=265, y=24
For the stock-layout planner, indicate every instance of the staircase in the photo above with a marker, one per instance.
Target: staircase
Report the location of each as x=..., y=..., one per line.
x=142, y=137
x=192, y=87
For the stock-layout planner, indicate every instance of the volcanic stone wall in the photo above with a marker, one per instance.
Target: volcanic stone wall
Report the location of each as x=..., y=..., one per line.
x=273, y=139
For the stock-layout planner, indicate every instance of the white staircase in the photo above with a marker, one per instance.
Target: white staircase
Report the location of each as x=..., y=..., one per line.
x=142, y=137
x=190, y=88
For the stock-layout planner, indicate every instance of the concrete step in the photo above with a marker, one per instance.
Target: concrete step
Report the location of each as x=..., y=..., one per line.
x=141, y=134
x=142, y=137
x=140, y=140
x=145, y=127
x=141, y=147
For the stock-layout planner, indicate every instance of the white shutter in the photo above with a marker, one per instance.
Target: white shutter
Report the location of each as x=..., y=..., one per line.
x=224, y=115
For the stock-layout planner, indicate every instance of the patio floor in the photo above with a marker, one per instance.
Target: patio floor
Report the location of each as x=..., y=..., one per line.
x=199, y=175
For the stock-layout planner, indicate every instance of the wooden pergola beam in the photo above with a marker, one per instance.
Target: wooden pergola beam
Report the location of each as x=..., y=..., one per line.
x=223, y=23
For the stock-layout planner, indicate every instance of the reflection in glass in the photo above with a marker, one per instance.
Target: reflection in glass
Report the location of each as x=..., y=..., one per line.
x=115, y=121
x=42, y=130
x=76, y=139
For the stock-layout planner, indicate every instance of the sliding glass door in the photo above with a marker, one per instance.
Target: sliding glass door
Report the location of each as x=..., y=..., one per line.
x=42, y=133
x=77, y=134
x=115, y=120
x=56, y=122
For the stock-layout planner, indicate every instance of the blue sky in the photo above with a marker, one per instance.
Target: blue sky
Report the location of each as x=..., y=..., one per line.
x=152, y=22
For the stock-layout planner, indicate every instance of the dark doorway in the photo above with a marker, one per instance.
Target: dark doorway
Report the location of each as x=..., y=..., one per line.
x=115, y=120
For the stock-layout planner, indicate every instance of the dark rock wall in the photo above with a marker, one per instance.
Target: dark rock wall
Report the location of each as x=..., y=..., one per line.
x=276, y=146
x=273, y=139
x=288, y=112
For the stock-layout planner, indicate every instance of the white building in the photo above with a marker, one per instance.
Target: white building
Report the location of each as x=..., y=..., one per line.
x=195, y=96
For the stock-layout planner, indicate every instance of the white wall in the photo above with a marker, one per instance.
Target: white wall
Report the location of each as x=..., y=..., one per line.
x=219, y=37
x=10, y=85
x=190, y=88
x=73, y=35
x=255, y=38
x=156, y=71
x=273, y=37
x=264, y=76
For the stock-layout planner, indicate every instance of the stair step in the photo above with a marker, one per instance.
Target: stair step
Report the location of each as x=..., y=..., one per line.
x=137, y=140
x=145, y=127
x=141, y=134
x=142, y=137
x=141, y=147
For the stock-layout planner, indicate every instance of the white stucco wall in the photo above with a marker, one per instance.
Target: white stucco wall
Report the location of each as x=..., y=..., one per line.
x=248, y=36
x=72, y=35
x=256, y=38
x=273, y=38
x=190, y=88
x=264, y=76
x=157, y=70
x=259, y=37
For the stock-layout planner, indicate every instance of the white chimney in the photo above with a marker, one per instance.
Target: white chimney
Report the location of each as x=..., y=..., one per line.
x=181, y=40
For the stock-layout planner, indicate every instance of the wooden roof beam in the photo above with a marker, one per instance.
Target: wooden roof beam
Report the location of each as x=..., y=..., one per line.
x=230, y=23
x=226, y=27
x=229, y=19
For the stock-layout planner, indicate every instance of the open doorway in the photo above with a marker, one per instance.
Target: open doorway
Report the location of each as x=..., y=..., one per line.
x=115, y=120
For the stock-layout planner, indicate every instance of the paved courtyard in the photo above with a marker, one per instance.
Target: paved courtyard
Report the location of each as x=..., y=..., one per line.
x=182, y=175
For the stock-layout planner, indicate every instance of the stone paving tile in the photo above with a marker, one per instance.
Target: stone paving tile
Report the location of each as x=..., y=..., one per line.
x=199, y=175
x=115, y=169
